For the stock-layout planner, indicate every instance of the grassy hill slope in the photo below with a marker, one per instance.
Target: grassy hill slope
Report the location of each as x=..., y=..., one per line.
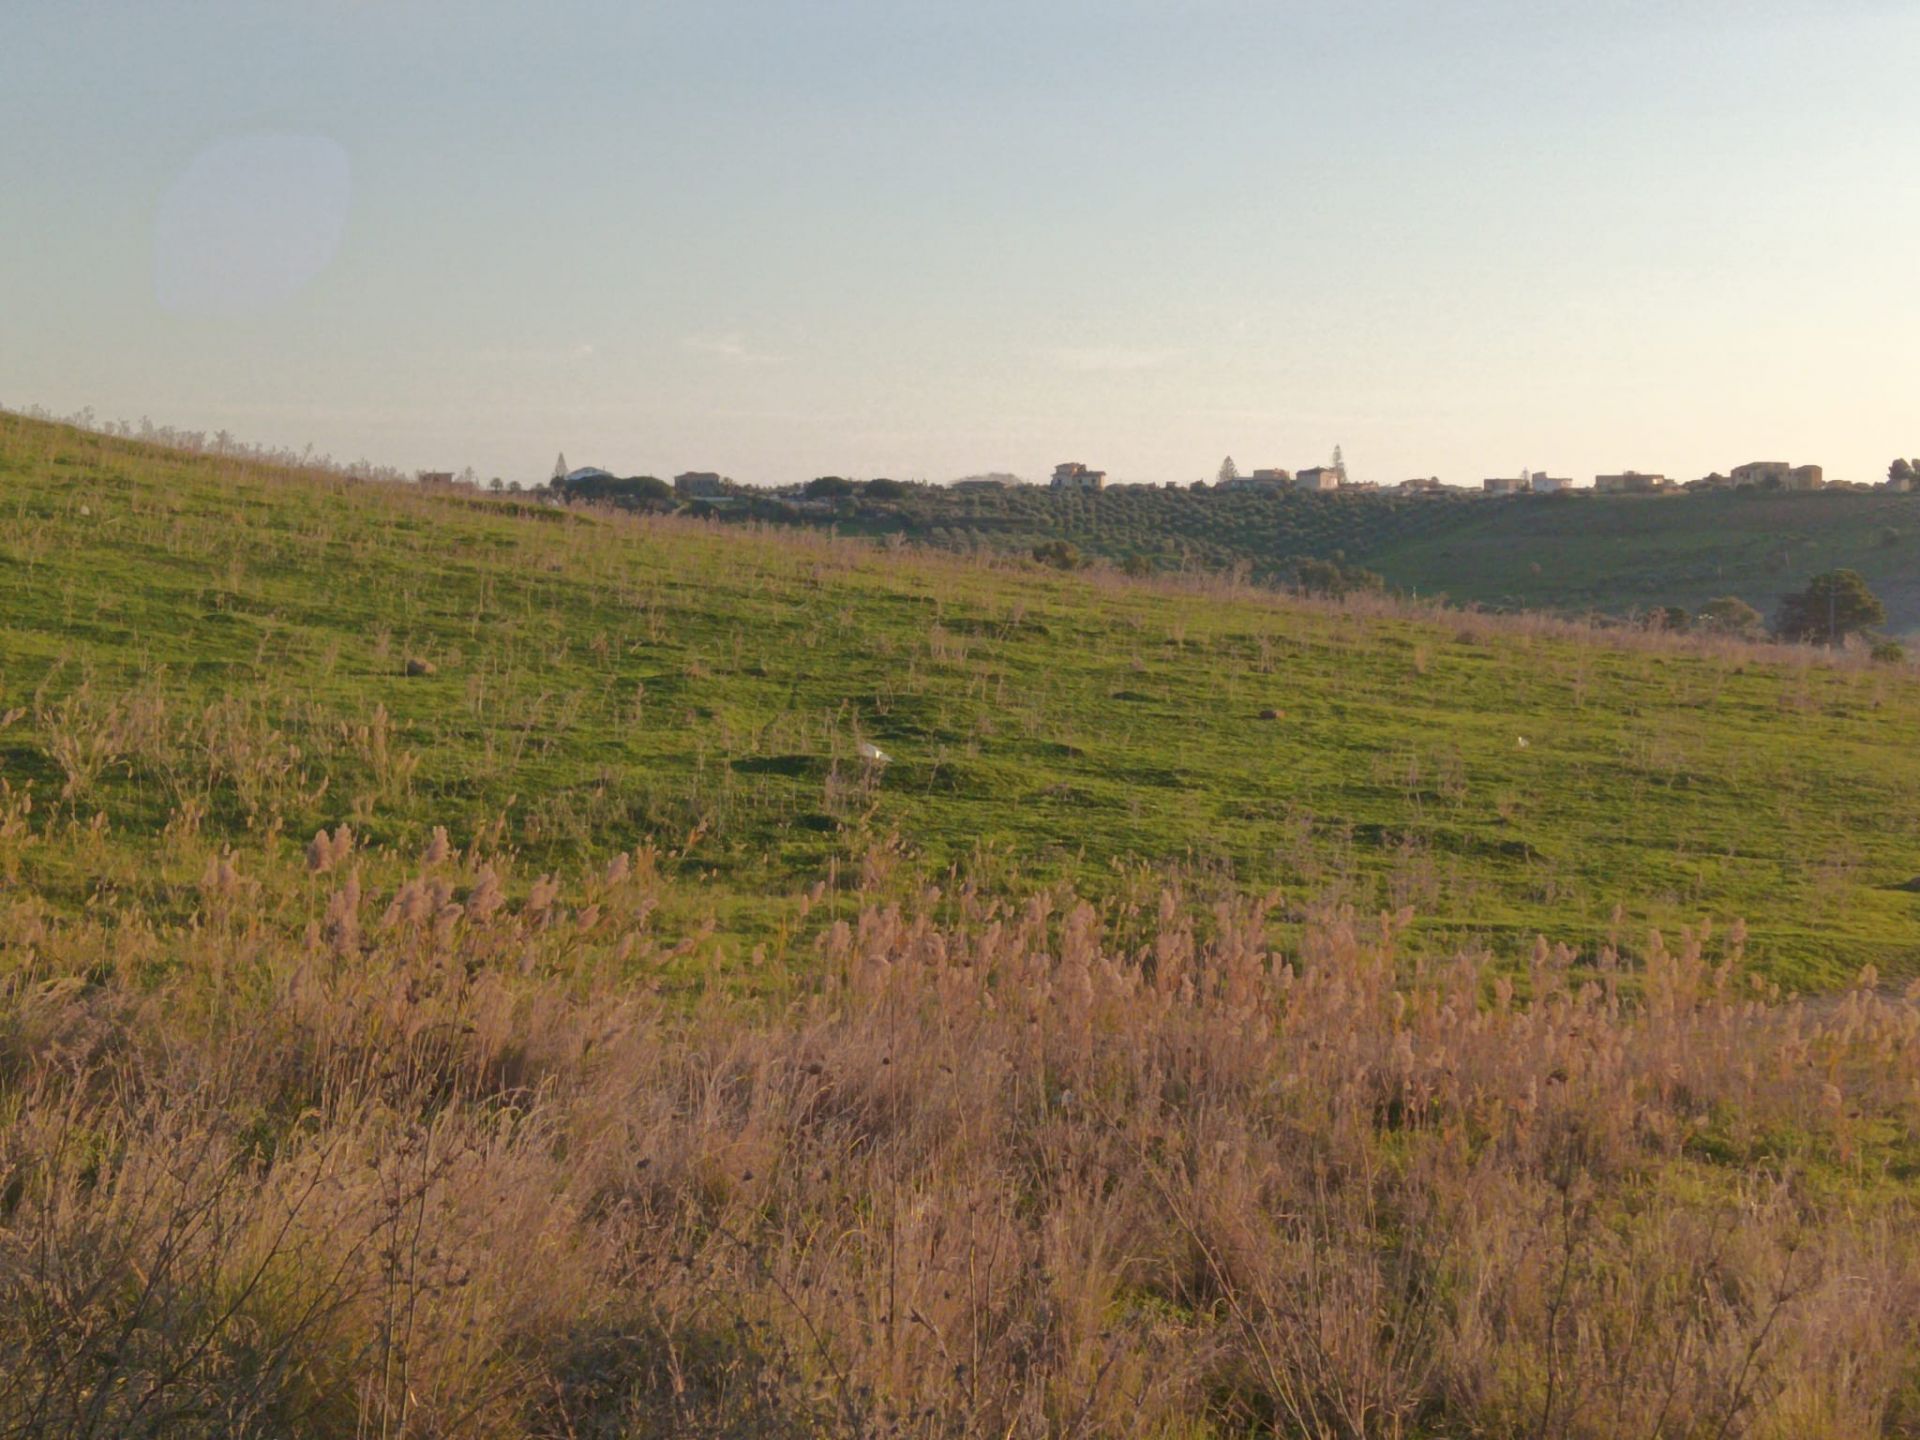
x=1621, y=553
x=212, y=643
x=628, y=1058
x=1571, y=553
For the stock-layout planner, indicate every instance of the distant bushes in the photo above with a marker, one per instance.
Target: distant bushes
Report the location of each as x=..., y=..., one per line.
x=1730, y=615
x=1331, y=577
x=631, y=490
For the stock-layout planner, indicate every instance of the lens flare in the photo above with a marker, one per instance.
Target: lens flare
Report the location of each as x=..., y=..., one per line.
x=251, y=221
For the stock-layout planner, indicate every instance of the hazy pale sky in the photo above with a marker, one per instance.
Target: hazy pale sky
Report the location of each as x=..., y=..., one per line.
x=891, y=237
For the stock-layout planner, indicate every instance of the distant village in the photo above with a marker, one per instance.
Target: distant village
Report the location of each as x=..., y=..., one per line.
x=1756, y=475
x=1076, y=477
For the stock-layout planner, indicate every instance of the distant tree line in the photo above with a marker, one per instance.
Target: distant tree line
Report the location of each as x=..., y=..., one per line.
x=613, y=489
x=1831, y=609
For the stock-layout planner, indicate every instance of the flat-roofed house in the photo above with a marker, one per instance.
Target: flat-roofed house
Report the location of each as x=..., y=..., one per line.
x=700, y=485
x=1778, y=475
x=1631, y=482
x=1768, y=474
x=1072, y=475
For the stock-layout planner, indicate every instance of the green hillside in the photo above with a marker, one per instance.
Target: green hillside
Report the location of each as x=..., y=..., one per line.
x=209, y=644
x=1617, y=554
x=1572, y=552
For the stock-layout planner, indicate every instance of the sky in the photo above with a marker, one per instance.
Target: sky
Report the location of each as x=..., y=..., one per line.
x=886, y=237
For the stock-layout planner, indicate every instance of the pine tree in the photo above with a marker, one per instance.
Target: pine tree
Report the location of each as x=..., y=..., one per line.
x=1339, y=465
x=1228, y=470
x=559, y=469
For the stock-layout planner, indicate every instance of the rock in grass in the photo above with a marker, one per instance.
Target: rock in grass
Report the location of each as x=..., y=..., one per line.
x=1272, y=714
x=418, y=666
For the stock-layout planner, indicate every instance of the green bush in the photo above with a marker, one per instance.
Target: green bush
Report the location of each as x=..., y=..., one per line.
x=1729, y=615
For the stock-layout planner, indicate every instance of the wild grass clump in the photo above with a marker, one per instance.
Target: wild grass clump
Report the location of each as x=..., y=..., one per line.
x=428, y=1148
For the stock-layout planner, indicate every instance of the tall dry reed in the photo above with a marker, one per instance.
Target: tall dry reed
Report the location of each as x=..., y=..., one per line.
x=360, y=1149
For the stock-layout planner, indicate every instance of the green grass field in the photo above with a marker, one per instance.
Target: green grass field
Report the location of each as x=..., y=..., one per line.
x=191, y=637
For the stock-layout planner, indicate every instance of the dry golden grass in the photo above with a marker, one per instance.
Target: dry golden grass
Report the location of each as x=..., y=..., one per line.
x=365, y=1147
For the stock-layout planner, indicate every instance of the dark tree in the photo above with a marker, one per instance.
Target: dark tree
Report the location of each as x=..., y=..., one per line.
x=1900, y=470
x=644, y=487
x=1832, y=607
x=1333, y=577
x=634, y=490
x=829, y=487
x=884, y=489
x=1060, y=554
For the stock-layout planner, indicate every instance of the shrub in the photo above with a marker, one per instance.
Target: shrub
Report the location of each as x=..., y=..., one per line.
x=1331, y=577
x=1729, y=615
x=1060, y=554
